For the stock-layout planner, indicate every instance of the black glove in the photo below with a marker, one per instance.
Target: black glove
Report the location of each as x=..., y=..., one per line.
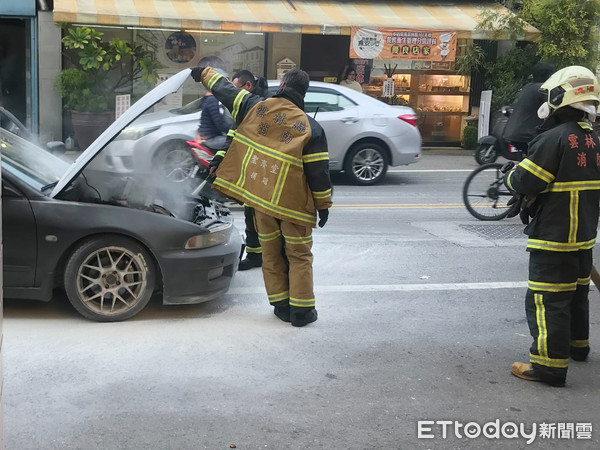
x=197, y=74
x=323, y=216
x=524, y=215
x=515, y=204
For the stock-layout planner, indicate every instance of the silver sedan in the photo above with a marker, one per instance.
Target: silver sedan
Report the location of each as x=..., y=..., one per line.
x=365, y=136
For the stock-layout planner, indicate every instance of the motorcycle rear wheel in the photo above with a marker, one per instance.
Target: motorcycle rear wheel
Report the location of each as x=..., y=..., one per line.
x=486, y=154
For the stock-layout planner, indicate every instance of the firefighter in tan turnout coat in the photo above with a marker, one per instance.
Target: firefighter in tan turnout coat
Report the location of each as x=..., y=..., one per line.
x=278, y=164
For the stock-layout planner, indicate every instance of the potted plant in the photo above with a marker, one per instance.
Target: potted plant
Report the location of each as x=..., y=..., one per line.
x=100, y=69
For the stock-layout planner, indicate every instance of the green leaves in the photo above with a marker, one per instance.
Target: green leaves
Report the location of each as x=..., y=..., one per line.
x=470, y=60
x=91, y=57
x=81, y=37
x=101, y=69
x=569, y=30
x=569, y=37
x=75, y=88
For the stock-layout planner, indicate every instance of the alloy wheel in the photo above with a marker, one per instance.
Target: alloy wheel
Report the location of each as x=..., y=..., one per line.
x=112, y=280
x=368, y=164
x=176, y=164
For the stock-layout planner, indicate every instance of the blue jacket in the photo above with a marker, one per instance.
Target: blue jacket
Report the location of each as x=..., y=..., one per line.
x=212, y=121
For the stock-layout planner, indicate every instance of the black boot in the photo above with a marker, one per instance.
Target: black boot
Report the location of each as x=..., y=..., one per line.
x=251, y=260
x=302, y=316
x=282, y=310
x=580, y=353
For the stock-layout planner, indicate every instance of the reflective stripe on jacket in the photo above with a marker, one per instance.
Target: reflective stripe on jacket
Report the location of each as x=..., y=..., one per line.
x=278, y=161
x=563, y=170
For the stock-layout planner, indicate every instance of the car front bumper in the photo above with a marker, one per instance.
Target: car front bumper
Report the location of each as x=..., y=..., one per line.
x=196, y=276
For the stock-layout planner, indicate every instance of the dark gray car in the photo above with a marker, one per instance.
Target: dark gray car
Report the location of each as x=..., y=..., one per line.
x=110, y=241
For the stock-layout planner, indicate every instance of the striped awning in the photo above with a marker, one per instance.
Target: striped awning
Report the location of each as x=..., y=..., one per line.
x=296, y=16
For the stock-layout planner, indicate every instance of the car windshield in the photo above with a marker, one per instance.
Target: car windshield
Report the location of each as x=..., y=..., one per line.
x=190, y=108
x=28, y=162
x=123, y=173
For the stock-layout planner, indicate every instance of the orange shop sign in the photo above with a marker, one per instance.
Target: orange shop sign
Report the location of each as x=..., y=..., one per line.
x=393, y=43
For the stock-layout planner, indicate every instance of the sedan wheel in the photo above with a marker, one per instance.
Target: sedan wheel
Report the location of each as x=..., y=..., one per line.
x=366, y=164
x=175, y=162
x=109, y=278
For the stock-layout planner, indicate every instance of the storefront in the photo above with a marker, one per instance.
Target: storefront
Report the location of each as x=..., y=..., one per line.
x=317, y=36
x=177, y=49
x=18, y=72
x=415, y=68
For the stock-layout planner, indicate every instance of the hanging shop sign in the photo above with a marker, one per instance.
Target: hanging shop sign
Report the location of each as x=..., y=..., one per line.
x=363, y=69
x=388, y=88
x=404, y=44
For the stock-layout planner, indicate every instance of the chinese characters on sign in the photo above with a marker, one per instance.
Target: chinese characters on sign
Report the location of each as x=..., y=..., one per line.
x=123, y=102
x=363, y=70
x=388, y=88
x=389, y=43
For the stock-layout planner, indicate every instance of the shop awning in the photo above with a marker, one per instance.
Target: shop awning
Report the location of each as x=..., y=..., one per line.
x=296, y=16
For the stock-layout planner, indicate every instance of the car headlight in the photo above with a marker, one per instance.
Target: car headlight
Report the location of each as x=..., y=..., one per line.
x=134, y=133
x=216, y=236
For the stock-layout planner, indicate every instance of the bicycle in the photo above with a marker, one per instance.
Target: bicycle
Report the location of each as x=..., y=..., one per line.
x=485, y=194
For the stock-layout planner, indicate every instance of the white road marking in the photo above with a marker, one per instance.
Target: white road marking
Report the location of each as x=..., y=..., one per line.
x=395, y=287
x=429, y=170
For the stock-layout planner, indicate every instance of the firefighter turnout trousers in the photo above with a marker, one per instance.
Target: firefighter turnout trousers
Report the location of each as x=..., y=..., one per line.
x=252, y=243
x=557, y=309
x=287, y=261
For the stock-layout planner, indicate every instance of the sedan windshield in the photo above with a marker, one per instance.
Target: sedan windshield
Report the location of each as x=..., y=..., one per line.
x=28, y=162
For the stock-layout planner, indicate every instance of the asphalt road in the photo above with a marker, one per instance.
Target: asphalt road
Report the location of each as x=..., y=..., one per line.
x=421, y=313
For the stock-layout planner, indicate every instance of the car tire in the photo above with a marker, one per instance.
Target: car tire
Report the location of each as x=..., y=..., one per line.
x=366, y=164
x=109, y=278
x=175, y=162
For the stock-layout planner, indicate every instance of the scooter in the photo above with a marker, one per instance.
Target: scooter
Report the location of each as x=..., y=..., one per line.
x=204, y=152
x=494, y=145
x=203, y=156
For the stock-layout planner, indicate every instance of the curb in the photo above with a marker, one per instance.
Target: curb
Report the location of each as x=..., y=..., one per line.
x=447, y=151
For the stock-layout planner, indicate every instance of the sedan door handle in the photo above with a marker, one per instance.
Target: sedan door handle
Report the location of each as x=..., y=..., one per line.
x=350, y=119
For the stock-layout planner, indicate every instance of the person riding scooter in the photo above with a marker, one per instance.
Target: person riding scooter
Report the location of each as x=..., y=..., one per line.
x=512, y=133
x=523, y=121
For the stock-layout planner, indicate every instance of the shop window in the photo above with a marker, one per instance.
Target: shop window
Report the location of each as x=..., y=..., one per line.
x=326, y=102
x=14, y=68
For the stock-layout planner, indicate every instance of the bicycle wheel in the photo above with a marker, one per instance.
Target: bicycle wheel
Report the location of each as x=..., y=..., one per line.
x=484, y=193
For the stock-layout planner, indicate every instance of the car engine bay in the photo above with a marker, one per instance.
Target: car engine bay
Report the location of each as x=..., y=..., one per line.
x=157, y=196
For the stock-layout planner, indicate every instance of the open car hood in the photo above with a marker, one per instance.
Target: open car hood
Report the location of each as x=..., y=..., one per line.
x=138, y=108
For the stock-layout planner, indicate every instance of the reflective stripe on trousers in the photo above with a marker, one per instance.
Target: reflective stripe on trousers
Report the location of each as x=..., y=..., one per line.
x=557, y=306
x=287, y=259
x=252, y=244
